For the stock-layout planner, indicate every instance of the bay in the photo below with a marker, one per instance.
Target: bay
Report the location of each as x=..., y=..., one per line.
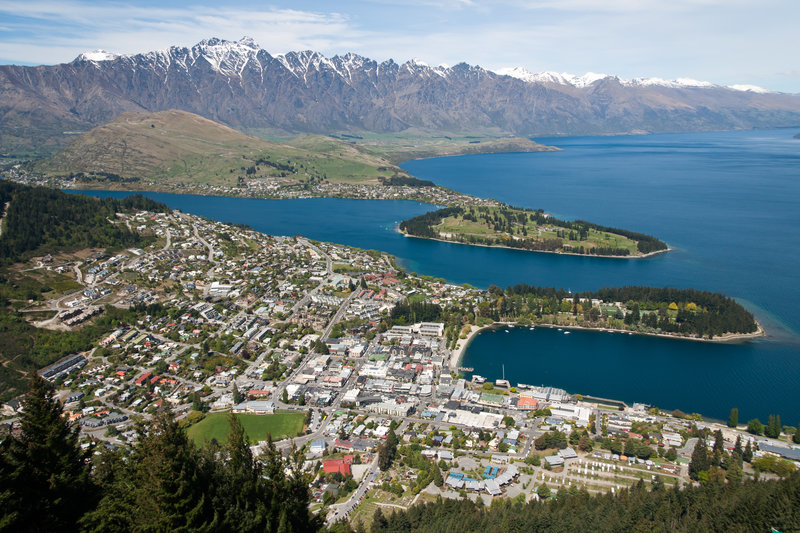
x=728, y=203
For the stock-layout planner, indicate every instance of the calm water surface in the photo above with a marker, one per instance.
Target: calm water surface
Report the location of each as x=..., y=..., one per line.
x=728, y=203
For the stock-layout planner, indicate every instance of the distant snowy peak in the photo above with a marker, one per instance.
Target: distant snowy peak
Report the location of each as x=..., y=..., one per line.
x=97, y=55
x=561, y=78
x=590, y=78
x=751, y=89
x=659, y=82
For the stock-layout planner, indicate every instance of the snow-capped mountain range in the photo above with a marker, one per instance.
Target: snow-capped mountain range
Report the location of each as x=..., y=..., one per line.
x=230, y=57
x=240, y=84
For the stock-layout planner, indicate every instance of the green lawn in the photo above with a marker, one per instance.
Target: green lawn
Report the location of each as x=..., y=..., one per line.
x=457, y=226
x=215, y=425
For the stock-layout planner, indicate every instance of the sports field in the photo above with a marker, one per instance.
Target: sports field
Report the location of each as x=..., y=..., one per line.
x=280, y=425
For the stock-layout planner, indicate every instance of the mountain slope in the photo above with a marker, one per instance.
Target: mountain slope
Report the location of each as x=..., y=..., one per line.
x=179, y=148
x=243, y=86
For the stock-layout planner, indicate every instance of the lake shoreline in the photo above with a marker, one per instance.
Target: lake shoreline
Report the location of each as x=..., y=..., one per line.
x=643, y=256
x=734, y=338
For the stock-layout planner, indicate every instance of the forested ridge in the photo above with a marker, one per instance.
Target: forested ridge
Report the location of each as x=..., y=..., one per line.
x=41, y=220
x=422, y=226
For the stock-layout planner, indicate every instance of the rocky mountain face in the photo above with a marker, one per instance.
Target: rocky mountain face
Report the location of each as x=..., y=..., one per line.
x=243, y=86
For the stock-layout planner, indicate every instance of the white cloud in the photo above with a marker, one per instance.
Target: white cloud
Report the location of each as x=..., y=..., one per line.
x=71, y=27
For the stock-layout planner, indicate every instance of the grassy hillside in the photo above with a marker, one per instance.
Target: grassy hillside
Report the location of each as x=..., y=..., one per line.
x=180, y=148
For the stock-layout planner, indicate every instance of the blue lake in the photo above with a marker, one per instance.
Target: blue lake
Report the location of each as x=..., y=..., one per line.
x=728, y=203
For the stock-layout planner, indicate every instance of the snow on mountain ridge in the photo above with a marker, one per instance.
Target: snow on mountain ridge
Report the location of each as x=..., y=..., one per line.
x=750, y=89
x=97, y=55
x=227, y=57
x=562, y=78
x=589, y=78
x=230, y=58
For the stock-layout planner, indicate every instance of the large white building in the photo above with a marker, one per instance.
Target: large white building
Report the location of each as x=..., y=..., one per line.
x=569, y=411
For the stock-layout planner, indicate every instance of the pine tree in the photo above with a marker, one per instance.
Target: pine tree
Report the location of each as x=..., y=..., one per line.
x=44, y=478
x=733, y=419
x=719, y=448
x=237, y=396
x=748, y=453
x=437, y=476
x=700, y=461
x=738, y=453
x=796, y=436
x=773, y=429
x=160, y=487
x=379, y=522
x=239, y=493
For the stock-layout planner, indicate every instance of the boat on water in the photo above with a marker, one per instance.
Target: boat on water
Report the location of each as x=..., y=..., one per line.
x=559, y=329
x=567, y=332
x=531, y=328
x=507, y=331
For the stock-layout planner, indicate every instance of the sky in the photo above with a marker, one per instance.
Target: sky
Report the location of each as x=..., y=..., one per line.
x=726, y=42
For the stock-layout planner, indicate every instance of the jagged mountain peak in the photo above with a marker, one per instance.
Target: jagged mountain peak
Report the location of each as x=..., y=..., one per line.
x=97, y=55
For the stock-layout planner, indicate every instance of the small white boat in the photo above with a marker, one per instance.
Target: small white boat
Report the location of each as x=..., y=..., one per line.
x=567, y=332
x=559, y=329
x=531, y=328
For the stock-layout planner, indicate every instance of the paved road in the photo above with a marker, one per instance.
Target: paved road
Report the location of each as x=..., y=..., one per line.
x=341, y=510
x=205, y=243
x=328, y=261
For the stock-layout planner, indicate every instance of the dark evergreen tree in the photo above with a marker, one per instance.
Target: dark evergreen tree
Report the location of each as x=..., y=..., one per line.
x=718, y=449
x=747, y=456
x=700, y=461
x=44, y=478
x=387, y=451
x=738, y=452
x=773, y=428
x=796, y=436
x=237, y=396
x=733, y=419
